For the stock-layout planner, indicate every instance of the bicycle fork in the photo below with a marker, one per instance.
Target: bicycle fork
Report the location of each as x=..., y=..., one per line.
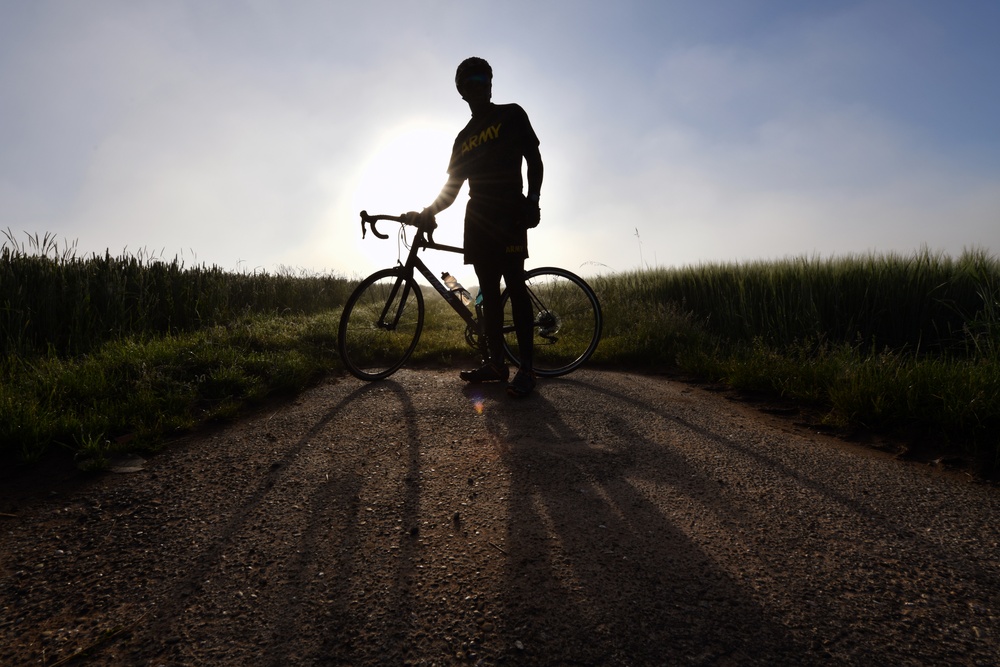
x=391, y=325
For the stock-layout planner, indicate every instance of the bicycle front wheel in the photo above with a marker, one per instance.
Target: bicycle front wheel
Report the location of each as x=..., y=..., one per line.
x=381, y=324
x=567, y=321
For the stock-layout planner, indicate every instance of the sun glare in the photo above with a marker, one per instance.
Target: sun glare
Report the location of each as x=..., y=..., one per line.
x=406, y=170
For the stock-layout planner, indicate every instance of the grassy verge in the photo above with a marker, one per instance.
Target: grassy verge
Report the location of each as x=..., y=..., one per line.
x=129, y=395
x=943, y=403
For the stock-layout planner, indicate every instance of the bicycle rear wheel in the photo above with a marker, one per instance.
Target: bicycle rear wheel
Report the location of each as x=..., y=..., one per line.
x=380, y=325
x=567, y=322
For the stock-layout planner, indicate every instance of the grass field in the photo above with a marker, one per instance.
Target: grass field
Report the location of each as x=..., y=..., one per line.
x=106, y=354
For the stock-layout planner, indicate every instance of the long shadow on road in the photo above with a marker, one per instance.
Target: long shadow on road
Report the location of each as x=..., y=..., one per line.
x=615, y=579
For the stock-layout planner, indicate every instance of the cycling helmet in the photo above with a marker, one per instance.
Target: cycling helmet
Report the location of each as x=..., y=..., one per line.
x=470, y=68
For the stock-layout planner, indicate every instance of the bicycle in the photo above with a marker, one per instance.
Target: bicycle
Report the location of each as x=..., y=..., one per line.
x=384, y=316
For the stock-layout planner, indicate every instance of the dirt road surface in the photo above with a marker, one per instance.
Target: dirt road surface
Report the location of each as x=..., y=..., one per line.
x=612, y=519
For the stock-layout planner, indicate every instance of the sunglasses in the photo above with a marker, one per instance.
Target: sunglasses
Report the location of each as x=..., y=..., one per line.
x=476, y=80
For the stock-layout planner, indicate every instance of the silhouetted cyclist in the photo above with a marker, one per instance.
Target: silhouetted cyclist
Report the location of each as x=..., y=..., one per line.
x=488, y=153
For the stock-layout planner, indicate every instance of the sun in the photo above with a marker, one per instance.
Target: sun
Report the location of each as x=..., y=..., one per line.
x=406, y=170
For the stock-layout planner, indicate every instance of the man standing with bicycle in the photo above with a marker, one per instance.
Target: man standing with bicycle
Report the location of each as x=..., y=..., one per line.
x=488, y=153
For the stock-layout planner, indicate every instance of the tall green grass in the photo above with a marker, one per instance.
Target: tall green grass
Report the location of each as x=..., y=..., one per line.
x=54, y=302
x=927, y=302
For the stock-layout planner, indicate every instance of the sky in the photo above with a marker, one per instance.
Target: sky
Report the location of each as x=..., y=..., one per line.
x=249, y=134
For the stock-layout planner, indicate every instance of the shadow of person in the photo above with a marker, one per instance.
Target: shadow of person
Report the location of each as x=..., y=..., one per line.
x=598, y=571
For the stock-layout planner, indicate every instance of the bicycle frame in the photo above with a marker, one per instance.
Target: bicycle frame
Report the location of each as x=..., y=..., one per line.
x=423, y=240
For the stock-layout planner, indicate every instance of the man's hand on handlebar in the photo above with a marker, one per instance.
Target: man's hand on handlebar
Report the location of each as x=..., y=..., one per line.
x=423, y=220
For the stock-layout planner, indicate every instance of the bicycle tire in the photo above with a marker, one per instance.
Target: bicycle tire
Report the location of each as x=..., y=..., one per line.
x=371, y=350
x=568, y=321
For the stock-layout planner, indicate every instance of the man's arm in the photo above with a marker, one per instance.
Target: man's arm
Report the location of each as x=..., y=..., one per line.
x=447, y=196
x=532, y=213
x=534, y=160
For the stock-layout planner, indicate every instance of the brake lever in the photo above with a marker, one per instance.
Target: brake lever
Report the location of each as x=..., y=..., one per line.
x=371, y=223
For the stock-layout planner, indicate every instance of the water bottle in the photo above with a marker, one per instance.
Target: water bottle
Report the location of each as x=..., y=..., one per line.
x=456, y=287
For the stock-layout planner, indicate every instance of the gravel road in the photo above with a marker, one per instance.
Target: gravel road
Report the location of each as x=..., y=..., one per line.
x=611, y=519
